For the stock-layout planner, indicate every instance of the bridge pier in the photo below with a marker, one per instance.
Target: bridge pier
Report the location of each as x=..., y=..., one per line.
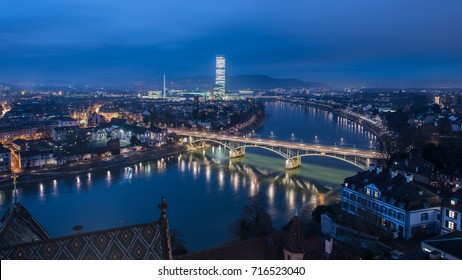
x=236, y=153
x=292, y=163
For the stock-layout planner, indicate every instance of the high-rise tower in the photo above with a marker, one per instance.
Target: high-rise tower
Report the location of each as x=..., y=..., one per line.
x=220, y=77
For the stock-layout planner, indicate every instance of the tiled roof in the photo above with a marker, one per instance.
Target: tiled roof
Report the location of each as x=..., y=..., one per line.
x=295, y=242
x=19, y=226
x=126, y=243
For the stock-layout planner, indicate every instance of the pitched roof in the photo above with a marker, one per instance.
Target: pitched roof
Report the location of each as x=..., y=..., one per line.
x=19, y=226
x=449, y=243
x=295, y=242
x=141, y=241
x=395, y=189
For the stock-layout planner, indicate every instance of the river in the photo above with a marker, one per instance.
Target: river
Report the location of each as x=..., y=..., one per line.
x=204, y=190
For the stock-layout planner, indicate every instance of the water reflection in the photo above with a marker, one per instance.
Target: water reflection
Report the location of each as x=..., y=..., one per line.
x=205, y=181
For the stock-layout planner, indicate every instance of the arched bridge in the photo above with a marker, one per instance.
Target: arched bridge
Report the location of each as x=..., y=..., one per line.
x=291, y=151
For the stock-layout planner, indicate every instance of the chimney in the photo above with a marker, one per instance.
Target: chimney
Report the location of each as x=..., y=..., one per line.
x=371, y=167
x=409, y=177
x=378, y=169
x=393, y=173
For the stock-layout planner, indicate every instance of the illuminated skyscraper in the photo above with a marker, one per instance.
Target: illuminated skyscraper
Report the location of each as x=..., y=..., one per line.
x=220, y=78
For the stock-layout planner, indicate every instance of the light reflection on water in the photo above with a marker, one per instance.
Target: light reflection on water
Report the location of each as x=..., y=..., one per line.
x=205, y=191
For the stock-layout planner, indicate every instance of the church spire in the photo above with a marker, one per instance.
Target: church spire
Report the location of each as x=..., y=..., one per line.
x=164, y=231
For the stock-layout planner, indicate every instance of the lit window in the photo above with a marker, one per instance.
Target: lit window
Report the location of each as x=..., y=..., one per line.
x=368, y=191
x=384, y=222
x=452, y=215
x=453, y=201
x=451, y=225
x=376, y=194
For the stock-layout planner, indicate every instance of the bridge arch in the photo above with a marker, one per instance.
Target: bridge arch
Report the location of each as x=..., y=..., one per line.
x=214, y=141
x=285, y=156
x=244, y=146
x=266, y=148
x=337, y=158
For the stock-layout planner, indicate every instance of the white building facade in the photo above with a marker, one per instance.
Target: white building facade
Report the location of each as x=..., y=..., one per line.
x=394, y=202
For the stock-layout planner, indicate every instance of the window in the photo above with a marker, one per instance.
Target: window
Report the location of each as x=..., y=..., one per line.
x=384, y=222
x=375, y=207
x=376, y=194
x=452, y=214
x=451, y=225
x=424, y=217
x=392, y=213
x=453, y=201
x=368, y=192
x=383, y=209
x=352, y=208
x=401, y=216
x=346, y=205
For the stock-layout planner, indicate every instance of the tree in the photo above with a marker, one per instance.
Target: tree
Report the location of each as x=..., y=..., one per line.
x=134, y=140
x=255, y=220
x=178, y=244
x=256, y=212
x=387, y=147
x=241, y=229
x=444, y=126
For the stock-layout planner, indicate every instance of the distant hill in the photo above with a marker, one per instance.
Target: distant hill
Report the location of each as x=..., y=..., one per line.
x=236, y=82
x=266, y=82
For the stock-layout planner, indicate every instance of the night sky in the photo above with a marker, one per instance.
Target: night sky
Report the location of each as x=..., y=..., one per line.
x=354, y=42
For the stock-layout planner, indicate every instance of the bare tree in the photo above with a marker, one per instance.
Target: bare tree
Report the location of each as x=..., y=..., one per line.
x=388, y=146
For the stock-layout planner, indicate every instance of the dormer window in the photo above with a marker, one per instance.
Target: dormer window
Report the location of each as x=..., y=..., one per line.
x=376, y=194
x=454, y=201
x=368, y=192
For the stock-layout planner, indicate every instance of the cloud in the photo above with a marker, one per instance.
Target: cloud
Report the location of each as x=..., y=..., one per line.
x=329, y=40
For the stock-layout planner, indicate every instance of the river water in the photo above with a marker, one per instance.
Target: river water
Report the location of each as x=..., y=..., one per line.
x=205, y=191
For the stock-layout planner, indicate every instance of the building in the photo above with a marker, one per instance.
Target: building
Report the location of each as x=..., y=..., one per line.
x=451, y=178
x=447, y=246
x=23, y=238
x=26, y=131
x=451, y=213
x=35, y=158
x=5, y=160
x=220, y=77
x=64, y=121
x=394, y=202
x=65, y=134
x=295, y=247
x=158, y=136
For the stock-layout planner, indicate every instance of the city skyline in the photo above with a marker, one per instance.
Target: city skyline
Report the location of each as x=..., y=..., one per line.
x=354, y=43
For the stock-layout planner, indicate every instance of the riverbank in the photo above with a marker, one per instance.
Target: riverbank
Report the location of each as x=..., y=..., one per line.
x=373, y=128
x=85, y=166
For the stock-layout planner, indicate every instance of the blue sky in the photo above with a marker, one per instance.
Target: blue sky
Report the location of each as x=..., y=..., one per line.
x=336, y=42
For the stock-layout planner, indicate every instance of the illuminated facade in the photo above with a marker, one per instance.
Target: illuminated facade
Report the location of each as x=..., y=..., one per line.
x=220, y=78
